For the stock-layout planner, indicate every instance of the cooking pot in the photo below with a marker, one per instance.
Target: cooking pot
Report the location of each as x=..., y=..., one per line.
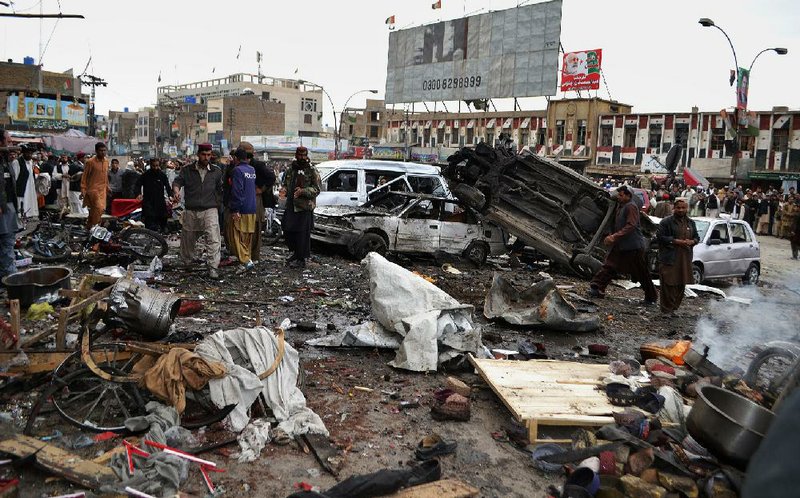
x=701, y=365
x=730, y=426
x=29, y=285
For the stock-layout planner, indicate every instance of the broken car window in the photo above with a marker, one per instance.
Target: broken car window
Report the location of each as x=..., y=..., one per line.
x=342, y=181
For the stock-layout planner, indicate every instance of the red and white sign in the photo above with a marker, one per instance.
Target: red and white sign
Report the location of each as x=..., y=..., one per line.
x=581, y=70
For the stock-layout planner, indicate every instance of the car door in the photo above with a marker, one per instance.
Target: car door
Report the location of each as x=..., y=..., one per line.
x=418, y=227
x=457, y=228
x=743, y=247
x=716, y=258
x=341, y=188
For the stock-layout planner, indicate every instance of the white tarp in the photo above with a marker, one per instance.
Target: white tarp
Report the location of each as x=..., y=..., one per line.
x=433, y=326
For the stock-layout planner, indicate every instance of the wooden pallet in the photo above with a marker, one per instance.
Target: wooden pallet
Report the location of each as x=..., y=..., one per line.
x=549, y=392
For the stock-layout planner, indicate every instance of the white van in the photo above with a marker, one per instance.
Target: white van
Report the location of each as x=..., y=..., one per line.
x=350, y=182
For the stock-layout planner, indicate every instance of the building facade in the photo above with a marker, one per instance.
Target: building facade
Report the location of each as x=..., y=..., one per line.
x=364, y=126
x=302, y=100
x=230, y=118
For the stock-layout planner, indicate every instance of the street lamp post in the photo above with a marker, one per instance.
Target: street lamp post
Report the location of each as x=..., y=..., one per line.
x=708, y=23
x=341, y=116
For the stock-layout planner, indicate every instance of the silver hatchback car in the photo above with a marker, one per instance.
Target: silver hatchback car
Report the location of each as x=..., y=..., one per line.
x=727, y=248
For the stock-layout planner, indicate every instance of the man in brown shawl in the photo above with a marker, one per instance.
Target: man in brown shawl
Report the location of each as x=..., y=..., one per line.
x=677, y=234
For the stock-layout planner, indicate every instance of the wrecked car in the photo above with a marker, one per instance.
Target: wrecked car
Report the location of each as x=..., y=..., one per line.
x=409, y=223
x=551, y=208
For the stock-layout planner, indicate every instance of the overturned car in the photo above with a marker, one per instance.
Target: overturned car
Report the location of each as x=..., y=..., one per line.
x=409, y=223
x=547, y=206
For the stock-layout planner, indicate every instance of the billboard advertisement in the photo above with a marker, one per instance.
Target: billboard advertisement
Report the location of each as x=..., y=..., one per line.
x=42, y=113
x=507, y=53
x=742, y=87
x=581, y=70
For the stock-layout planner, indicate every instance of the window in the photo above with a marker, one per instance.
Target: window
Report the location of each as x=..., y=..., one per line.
x=606, y=136
x=524, y=137
x=264, y=95
x=414, y=136
x=308, y=105
x=581, y=132
x=540, y=134
x=717, y=138
x=490, y=138
x=374, y=178
x=682, y=134
x=739, y=233
x=559, y=132
x=214, y=117
x=374, y=116
x=630, y=137
x=424, y=210
x=654, y=138
x=470, y=137
x=780, y=140
x=374, y=131
x=350, y=130
x=720, y=232
x=440, y=136
x=307, y=119
x=426, y=185
x=342, y=181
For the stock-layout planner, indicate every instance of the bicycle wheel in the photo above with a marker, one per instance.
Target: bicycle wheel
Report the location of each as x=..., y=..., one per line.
x=49, y=245
x=770, y=369
x=144, y=243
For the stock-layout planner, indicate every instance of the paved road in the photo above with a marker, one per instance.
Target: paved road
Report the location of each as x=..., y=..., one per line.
x=777, y=266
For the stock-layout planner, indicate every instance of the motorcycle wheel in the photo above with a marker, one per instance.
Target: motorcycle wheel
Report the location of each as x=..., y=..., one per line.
x=144, y=243
x=50, y=246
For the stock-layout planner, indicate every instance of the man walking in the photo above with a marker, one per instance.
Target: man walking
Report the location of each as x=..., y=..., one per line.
x=8, y=209
x=27, y=204
x=301, y=186
x=677, y=234
x=153, y=188
x=94, y=184
x=627, y=254
x=202, y=185
x=242, y=208
x=114, y=182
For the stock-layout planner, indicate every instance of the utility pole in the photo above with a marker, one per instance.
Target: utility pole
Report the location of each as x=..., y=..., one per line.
x=94, y=82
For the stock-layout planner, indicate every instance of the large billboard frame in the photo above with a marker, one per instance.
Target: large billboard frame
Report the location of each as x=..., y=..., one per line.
x=503, y=54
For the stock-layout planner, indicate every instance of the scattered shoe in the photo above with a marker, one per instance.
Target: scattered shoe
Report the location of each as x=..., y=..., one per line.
x=249, y=265
x=648, y=303
x=433, y=446
x=454, y=407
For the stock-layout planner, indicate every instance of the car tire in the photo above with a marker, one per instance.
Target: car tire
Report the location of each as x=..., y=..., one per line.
x=697, y=274
x=369, y=242
x=584, y=265
x=751, y=275
x=471, y=196
x=477, y=252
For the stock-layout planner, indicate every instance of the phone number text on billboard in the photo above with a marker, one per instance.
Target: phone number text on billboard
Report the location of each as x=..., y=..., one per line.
x=448, y=83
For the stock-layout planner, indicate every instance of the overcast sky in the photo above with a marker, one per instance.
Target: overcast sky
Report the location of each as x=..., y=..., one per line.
x=655, y=54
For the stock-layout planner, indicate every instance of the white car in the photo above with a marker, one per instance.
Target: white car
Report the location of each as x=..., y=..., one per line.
x=409, y=223
x=727, y=248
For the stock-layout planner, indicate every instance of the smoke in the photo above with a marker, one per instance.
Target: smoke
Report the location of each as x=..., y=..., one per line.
x=731, y=329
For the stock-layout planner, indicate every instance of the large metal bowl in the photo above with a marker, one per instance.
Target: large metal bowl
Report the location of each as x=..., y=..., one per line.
x=730, y=426
x=29, y=285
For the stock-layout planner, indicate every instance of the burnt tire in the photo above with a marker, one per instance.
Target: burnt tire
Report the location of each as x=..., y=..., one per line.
x=369, y=242
x=697, y=274
x=471, y=196
x=477, y=252
x=144, y=243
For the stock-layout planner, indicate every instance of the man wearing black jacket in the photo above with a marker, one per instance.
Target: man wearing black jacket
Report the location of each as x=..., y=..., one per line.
x=677, y=234
x=8, y=209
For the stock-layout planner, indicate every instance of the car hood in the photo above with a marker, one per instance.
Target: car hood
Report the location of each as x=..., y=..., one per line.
x=343, y=211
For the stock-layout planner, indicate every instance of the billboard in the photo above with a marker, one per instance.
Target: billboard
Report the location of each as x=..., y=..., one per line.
x=581, y=70
x=43, y=113
x=508, y=53
x=742, y=87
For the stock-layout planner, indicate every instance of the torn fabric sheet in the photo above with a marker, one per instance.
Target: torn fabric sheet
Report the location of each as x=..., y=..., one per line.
x=431, y=323
x=688, y=291
x=245, y=352
x=541, y=305
x=367, y=335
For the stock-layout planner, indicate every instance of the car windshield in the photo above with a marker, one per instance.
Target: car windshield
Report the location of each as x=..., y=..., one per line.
x=702, y=228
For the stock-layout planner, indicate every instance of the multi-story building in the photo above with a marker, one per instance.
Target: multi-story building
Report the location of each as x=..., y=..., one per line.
x=231, y=118
x=302, y=100
x=32, y=99
x=364, y=126
x=121, y=131
x=769, y=143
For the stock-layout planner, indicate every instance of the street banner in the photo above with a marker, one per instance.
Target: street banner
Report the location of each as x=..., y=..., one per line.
x=581, y=70
x=742, y=85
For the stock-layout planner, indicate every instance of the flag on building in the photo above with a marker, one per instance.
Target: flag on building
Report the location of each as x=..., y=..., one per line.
x=693, y=178
x=390, y=20
x=436, y=5
x=67, y=84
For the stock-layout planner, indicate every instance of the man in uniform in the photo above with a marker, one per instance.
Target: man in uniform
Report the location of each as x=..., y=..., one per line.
x=677, y=234
x=301, y=186
x=626, y=255
x=202, y=185
x=94, y=184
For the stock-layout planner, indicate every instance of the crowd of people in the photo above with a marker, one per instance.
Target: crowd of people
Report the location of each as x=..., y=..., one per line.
x=224, y=200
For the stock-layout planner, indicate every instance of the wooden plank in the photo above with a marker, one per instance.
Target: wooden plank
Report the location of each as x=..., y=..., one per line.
x=108, y=455
x=38, y=361
x=445, y=488
x=59, y=462
x=36, y=338
x=13, y=307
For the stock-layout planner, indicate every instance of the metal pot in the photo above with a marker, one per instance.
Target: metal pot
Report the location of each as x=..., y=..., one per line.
x=141, y=309
x=29, y=285
x=701, y=365
x=730, y=426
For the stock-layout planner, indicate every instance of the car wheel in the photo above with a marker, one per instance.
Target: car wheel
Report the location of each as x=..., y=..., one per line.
x=751, y=275
x=477, y=252
x=471, y=196
x=697, y=274
x=369, y=242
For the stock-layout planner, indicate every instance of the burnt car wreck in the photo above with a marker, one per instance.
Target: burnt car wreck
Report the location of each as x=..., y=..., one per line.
x=549, y=207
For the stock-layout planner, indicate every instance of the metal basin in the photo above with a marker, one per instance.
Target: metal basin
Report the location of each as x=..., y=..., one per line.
x=730, y=426
x=29, y=285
